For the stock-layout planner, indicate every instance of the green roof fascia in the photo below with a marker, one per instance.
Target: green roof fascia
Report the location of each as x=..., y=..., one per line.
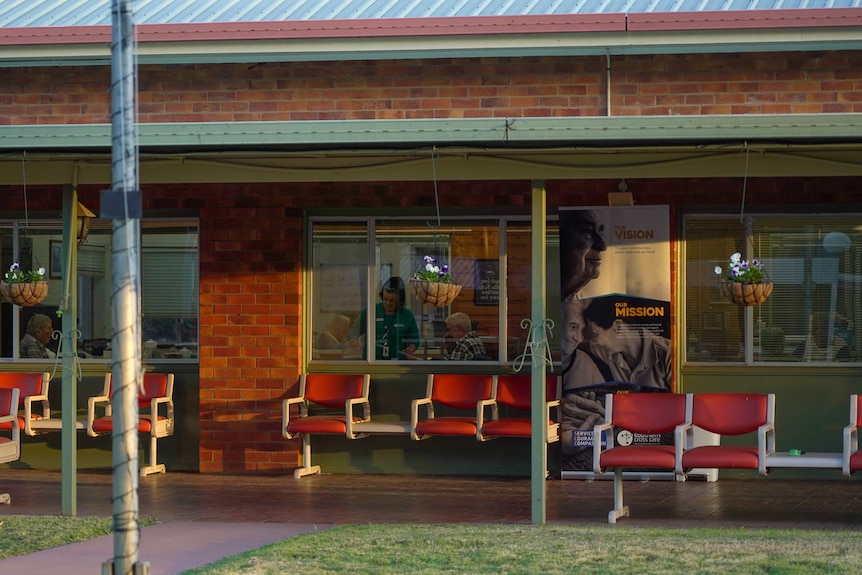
x=269, y=49
x=502, y=132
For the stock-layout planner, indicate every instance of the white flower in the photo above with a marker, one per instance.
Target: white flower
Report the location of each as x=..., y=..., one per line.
x=433, y=272
x=740, y=270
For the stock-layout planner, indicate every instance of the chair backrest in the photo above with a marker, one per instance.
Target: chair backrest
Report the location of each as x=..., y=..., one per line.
x=154, y=385
x=8, y=401
x=28, y=383
x=731, y=413
x=460, y=390
x=333, y=389
x=513, y=390
x=648, y=413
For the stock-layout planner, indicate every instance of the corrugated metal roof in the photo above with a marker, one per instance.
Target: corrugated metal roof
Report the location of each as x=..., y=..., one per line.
x=37, y=13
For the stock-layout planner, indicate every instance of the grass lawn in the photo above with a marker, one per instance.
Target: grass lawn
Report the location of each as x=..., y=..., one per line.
x=22, y=534
x=549, y=550
x=497, y=549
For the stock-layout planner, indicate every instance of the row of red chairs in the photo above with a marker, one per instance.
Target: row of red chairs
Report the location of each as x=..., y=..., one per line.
x=723, y=414
x=472, y=403
x=33, y=409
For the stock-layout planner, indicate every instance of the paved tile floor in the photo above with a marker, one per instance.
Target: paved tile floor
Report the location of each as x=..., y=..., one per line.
x=339, y=499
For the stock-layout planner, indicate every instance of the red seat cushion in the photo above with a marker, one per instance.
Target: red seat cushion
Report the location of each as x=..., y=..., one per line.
x=856, y=461
x=447, y=426
x=721, y=456
x=319, y=424
x=639, y=456
x=509, y=427
x=8, y=425
x=106, y=425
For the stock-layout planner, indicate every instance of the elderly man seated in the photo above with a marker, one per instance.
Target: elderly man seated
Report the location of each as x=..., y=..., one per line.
x=466, y=344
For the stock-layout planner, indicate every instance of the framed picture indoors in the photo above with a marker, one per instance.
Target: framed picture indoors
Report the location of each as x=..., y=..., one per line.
x=55, y=265
x=486, y=287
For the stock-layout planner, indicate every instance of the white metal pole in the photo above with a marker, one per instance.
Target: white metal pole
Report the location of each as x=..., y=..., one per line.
x=125, y=281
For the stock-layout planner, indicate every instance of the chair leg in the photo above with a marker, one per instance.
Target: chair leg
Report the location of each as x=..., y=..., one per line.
x=307, y=468
x=152, y=467
x=619, y=509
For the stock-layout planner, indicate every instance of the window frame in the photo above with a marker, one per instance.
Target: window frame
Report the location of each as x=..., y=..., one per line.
x=504, y=223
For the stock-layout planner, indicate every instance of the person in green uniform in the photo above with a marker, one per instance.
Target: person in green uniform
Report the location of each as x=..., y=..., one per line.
x=396, y=334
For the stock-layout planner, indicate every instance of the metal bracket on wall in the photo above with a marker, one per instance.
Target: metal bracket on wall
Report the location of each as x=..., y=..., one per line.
x=537, y=343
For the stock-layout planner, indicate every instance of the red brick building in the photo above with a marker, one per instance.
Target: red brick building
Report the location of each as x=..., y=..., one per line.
x=251, y=128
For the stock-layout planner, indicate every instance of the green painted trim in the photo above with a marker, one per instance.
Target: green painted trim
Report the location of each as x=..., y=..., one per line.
x=538, y=313
x=505, y=133
x=270, y=49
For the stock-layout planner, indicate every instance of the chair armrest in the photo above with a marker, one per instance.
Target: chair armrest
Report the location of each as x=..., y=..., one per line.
x=348, y=414
x=414, y=414
x=597, y=444
x=851, y=446
x=492, y=403
x=683, y=436
x=482, y=405
x=91, y=410
x=28, y=411
x=167, y=401
x=31, y=399
x=285, y=413
x=765, y=445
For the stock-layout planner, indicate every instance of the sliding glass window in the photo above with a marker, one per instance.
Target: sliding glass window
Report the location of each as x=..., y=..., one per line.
x=366, y=264
x=169, y=287
x=814, y=262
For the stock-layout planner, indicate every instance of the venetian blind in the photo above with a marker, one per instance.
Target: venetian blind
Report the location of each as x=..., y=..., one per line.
x=169, y=282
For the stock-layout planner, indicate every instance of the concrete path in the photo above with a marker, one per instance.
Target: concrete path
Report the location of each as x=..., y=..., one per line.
x=169, y=548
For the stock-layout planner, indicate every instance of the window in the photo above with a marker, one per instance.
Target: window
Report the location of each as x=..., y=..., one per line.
x=169, y=286
x=815, y=264
x=488, y=257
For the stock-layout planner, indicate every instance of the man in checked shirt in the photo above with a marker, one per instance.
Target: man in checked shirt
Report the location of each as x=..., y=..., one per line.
x=466, y=343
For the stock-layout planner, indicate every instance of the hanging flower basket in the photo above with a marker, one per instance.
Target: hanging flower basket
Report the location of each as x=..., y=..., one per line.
x=435, y=294
x=744, y=282
x=745, y=293
x=24, y=294
x=433, y=285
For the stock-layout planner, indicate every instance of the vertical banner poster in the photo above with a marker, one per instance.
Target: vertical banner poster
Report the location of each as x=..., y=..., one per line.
x=615, y=289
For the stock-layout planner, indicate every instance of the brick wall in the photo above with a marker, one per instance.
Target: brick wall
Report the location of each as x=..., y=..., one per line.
x=251, y=235
x=649, y=85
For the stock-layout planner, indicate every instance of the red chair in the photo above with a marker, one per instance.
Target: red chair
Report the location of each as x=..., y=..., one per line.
x=730, y=414
x=155, y=417
x=514, y=392
x=457, y=392
x=33, y=405
x=330, y=391
x=10, y=447
x=643, y=413
x=851, y=454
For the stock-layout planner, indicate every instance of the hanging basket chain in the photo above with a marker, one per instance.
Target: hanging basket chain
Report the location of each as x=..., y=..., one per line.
x=26, y=289
x=428, y=291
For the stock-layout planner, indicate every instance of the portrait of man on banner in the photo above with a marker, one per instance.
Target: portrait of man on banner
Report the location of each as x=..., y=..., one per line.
x=615, y=291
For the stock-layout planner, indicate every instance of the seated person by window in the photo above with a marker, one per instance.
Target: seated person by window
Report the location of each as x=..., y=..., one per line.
x=334, y=337
x=39, y=330
x=462, y=342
